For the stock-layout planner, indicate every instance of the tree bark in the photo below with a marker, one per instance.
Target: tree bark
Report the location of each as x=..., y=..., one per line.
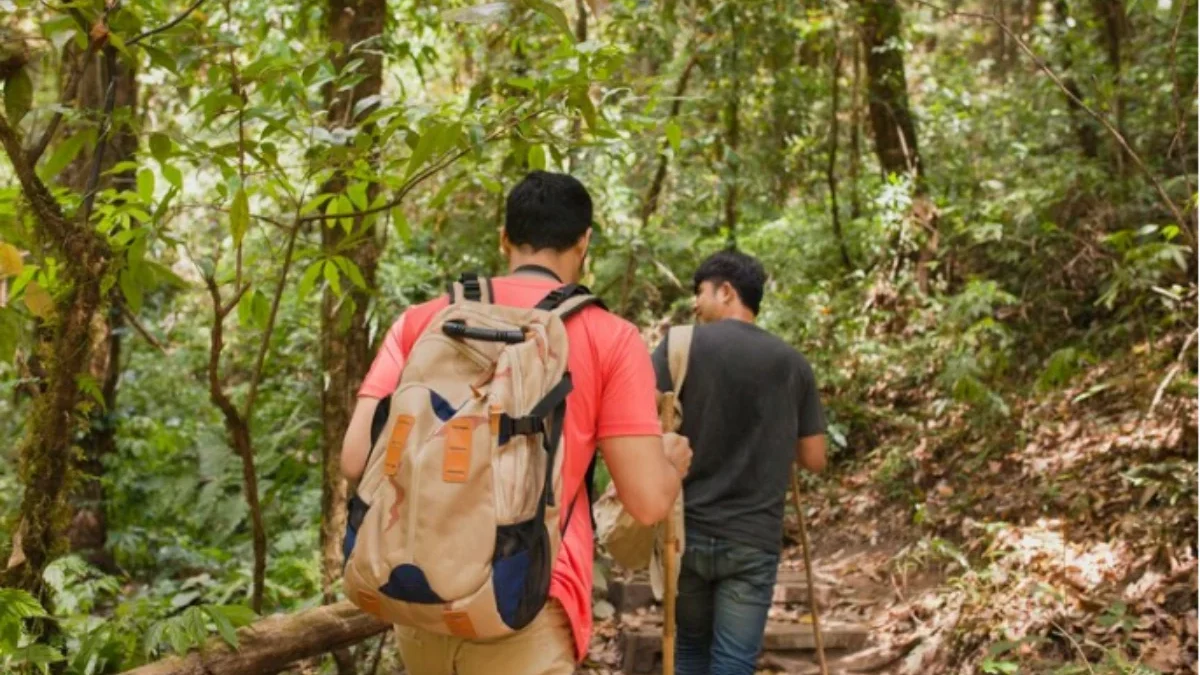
x=1112, y=18
x=345, y=349
x=1085, y=131
x=274, y=643
x=855, y=133
x=88, y=533
x=732, y=138
x=46, y=465
x=831, y=166
x=887, y=89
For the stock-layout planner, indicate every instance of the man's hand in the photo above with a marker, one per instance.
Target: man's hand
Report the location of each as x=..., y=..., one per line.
x=679, y=452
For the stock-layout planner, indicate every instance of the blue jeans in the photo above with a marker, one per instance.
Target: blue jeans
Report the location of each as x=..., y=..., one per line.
x=725, y=590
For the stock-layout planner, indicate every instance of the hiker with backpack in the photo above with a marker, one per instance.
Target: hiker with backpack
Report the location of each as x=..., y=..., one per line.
x=473, y=443
x=750, y=409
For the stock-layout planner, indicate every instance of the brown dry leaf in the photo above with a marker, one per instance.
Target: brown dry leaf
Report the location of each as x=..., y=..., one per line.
x=10, y=260
x=38, y=300
x=1164, y=656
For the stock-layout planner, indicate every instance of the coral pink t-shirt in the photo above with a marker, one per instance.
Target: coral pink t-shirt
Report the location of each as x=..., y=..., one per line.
x=613, y=396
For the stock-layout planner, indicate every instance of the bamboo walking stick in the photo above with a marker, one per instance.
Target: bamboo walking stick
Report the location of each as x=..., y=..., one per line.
x=670, y=589
x=812, y=595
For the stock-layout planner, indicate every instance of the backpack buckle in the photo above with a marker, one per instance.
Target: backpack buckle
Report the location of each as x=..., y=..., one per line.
x=507, y=427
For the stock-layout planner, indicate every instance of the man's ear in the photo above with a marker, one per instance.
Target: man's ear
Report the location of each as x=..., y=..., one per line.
x=584, y=243
x=727, y=293
x=505, y=244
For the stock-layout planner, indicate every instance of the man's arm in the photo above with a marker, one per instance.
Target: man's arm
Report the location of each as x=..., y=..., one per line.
x=810, y=453
x=648, y=472
x=646, y=467
x=356, y=444
x=810, y=448
x=381, y=381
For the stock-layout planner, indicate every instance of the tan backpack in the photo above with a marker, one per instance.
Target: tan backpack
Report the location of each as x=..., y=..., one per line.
x=454, y=526
x=632, y=545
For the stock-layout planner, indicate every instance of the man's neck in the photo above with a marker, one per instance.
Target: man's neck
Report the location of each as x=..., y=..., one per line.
x=741, y=314
x=550, y=262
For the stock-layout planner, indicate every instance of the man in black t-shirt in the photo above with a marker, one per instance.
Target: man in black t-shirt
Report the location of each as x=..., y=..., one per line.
x=750, y=409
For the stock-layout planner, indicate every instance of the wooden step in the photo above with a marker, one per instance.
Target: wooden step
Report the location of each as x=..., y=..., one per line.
x=631, y=595
x=641, y=649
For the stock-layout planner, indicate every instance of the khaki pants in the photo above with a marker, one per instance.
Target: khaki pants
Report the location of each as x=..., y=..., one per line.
x=544, y=647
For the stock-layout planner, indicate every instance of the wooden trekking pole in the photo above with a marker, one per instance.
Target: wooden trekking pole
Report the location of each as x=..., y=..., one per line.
x=671, y=545
x=812, y=594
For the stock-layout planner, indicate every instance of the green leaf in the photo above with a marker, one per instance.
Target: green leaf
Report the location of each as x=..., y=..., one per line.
x=63, y=154
x=556, y=15
x=130, y=289
x=39, y=655
x=674, y=135
x=174, y=176
x=238, y=615
x=583, y=101
x=491, y=184
x=309, y=279
x=10, y=336
x=331, y=276
x=351, y=271
x=18, y=604
x=118, y=43
x=145, y=185
x=239, y=216
x=260, y=310
x=160, y=58
x=400, y=222
x=224, y=626
x=358, y=195
x=18, y=96
x=163, y=275
x=425, y=149
x=160, y=147
x=315, y=203
x=537, y=158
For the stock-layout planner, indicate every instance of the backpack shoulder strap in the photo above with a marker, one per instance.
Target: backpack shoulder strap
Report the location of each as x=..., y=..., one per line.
x=568, y=300
x=679, y=348
x=471, y=287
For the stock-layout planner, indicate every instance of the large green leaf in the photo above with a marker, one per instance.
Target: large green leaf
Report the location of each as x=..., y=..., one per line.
x=239, y=216
x=18, y=96
x=555, y=13
x=64, y=153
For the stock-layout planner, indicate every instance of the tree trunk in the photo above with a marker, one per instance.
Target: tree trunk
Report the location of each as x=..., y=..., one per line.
x=732, y=137
x=887, y=89
x=88, y=533
x=274, y=643
x=345, y=349
x=1085, y=130
x=1112, y=18
x=831, y=166
x=46, y=465
x=581, y=34
x=855, y=133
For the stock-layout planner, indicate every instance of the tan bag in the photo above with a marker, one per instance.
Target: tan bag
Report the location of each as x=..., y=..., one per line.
x=632, y=545
x=454, y=527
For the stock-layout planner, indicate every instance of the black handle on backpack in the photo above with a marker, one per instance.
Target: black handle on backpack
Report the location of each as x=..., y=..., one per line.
x=458, y=329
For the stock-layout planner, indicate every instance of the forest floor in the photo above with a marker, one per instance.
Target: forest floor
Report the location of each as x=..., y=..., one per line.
x=1063, y=540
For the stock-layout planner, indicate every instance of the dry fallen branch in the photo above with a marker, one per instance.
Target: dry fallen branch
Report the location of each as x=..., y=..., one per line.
x=274, y=643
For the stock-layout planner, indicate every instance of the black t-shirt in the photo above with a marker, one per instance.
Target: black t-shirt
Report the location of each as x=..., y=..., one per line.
x=747, y=398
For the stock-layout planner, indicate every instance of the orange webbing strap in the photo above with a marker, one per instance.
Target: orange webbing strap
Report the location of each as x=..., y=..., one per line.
x=395, y=448
x=459, y=624
x=456, y=455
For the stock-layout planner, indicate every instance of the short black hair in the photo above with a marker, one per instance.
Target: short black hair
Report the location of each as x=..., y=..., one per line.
x=744, y=272
x=547, y=210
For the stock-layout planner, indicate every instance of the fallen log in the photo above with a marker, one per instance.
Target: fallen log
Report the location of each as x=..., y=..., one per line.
x=274, y=643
